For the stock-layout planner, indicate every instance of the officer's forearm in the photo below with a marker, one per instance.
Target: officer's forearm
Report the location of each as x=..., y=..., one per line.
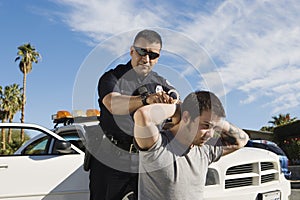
x=119, y=104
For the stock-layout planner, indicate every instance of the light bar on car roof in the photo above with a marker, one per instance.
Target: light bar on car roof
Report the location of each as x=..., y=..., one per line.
x=66, y=118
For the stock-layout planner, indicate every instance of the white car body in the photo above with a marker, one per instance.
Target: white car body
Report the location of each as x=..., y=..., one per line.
x=55, y=177
x=47, y=177
x=247, y=174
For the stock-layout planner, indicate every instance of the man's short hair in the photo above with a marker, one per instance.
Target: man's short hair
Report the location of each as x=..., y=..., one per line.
x=197, y=102
x=149, y=35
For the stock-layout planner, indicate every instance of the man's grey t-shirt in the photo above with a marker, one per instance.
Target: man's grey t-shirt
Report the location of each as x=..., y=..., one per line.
x=170, y=170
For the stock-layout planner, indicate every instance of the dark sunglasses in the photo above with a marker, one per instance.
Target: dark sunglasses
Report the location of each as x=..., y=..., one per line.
x=144, y=52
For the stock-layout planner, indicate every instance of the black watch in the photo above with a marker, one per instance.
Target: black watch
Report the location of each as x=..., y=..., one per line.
x=144, y=99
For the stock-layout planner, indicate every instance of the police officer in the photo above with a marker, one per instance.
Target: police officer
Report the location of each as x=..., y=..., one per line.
x=122, y=90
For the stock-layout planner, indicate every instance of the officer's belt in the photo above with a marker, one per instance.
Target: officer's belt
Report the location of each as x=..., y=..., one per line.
x=127, y=146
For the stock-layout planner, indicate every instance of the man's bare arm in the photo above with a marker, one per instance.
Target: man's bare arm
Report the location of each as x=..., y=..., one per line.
x=146, y=120
x=232, y=137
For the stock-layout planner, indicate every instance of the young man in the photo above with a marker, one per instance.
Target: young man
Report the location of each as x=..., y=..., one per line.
x=122, y=90
x=174, y=162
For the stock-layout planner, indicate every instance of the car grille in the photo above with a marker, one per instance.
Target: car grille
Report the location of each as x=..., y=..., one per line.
x=251, y=174
x=240, y=169
x=267, y=178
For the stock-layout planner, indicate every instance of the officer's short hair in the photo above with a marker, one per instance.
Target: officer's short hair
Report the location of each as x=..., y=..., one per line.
x=149, y=35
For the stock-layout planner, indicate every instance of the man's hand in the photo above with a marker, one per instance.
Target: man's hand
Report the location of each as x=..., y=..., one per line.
x=175, y=119
x=159, y=97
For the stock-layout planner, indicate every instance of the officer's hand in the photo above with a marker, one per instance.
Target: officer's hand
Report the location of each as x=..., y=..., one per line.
x=159, y=97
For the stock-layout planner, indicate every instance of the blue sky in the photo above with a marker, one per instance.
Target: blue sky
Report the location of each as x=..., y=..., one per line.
x=245, y=51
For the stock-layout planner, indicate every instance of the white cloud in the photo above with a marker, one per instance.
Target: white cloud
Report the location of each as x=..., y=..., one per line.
x=256, y=44
x=100, y=19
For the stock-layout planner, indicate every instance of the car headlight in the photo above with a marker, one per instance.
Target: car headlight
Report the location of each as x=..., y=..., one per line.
x=212, y=177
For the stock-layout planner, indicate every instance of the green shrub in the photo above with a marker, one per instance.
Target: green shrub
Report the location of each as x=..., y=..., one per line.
x=292, y=149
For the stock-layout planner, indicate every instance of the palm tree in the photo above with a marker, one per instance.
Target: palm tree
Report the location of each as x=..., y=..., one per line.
x=3, y=117
x=27, y=55
x=11, y=101
x=282, y=119
x=279, y=120
x=14, y=94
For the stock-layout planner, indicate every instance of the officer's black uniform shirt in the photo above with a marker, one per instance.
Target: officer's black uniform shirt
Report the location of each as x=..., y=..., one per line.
x=124, y=80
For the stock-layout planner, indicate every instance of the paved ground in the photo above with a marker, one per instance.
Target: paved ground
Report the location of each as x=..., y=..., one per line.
x=295, y=194
x=295, y=184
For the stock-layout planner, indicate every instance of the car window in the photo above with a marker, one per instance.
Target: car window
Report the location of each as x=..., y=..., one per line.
x=275, y=149
x=269, y=147
x=39, y=147
x=36, y=142
x=13, y=144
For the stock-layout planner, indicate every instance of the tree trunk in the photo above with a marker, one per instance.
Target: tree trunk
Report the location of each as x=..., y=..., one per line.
x=9, y=133
x=3, y=138
x=23, y=104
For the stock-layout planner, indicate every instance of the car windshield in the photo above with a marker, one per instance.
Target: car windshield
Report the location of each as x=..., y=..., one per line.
x=268, y=147
x=72, y=136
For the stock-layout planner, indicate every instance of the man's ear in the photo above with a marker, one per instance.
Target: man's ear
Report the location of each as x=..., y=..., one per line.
x=186, y=117
x=131, y=51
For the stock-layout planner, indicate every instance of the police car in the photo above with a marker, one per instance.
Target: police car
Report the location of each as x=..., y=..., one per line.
x=50, y=166
x=271, y=146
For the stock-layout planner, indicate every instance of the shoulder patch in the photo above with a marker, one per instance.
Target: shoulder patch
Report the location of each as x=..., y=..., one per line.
x=159, y=88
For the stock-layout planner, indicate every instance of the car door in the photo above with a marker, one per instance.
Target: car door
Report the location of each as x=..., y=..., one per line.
x=37, y=171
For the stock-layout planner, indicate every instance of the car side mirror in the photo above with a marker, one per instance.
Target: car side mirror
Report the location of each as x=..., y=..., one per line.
x=62, y=147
